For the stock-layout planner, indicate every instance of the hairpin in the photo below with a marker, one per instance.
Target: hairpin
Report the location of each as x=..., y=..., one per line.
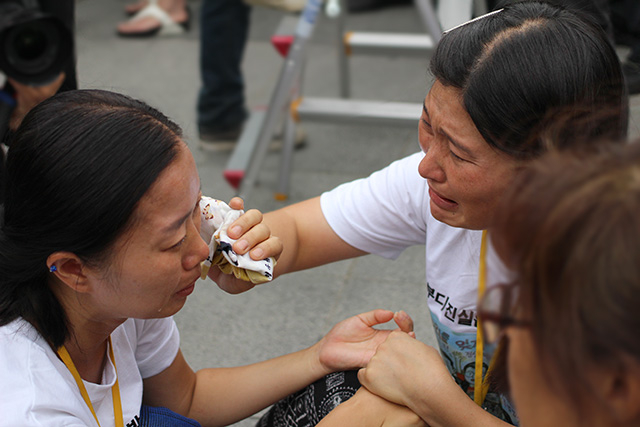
x=473, y=20
x=53, y=268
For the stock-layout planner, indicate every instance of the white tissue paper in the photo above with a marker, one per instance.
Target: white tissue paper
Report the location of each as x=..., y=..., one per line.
x=216, y=216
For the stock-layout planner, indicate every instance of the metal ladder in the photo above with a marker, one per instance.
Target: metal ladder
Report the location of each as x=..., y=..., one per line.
x=246, y=160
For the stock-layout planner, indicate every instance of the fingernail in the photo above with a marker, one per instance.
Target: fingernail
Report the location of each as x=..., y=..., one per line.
x=257, y=253
x=236, y=230
x=241, y=245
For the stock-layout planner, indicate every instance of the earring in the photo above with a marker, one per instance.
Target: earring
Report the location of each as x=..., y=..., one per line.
x=53, y=268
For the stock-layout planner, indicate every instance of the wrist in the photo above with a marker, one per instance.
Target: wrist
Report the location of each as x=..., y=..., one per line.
x=450, y=406
x=314, y=362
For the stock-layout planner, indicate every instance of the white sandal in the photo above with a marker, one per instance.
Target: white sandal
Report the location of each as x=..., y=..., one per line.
x=168, y=27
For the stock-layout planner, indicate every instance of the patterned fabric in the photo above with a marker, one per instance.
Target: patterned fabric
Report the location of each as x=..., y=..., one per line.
x=308, y=406
x=216, y=217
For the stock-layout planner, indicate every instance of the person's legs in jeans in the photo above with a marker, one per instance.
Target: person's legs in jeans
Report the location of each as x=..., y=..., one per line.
x=221, y=104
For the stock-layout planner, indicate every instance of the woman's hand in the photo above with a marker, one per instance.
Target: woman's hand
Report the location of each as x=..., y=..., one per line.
x=405, y=370
x=252, y=236
x=351, y=343
x=367, y=409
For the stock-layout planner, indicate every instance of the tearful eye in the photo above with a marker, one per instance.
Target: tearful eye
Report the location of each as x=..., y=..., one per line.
x=426, y=126
x=455, y=156
x=177, y=245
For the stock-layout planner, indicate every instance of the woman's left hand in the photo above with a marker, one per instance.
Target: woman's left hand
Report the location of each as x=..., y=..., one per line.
x=404, y=369
x=351, y=343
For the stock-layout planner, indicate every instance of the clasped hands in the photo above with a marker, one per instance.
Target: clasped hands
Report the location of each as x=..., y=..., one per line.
x=404, y=381
x=352, y=344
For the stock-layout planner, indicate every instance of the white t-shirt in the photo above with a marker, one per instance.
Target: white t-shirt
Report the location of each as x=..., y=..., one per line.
x=38, y=389
x=388, y=212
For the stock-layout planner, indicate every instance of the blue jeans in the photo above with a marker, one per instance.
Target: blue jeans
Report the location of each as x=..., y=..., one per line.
x=224, y=28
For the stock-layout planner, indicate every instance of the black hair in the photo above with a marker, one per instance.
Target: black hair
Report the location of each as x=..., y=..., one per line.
x=523, y=65
x=78, y=165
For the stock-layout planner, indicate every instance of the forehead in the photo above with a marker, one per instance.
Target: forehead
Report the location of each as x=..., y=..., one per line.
x=173, y=193
x=445, y=104
x=446, y=112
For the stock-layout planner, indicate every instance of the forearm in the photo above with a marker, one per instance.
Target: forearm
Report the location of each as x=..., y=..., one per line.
x=225, y=395
x=365, y=409
x=353, y=412
x=307, y=238
x=451, y=407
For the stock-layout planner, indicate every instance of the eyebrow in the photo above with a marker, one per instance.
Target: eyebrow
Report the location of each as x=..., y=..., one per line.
x=453, y=141
x=178, y=223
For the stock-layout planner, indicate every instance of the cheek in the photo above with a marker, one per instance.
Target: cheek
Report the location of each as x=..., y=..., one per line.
x=155, y=272
x=482, y=193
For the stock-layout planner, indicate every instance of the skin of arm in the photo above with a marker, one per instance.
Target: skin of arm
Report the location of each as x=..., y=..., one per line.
x=221, y=396
x=298, y=236
x=412, y=374
x=367, y=409
x=307, y=238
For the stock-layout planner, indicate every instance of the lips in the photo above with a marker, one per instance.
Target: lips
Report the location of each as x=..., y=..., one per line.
x=187, y=290
x=442, y=202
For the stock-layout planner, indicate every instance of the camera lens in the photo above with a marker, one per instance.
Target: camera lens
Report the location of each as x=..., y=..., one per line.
x=30, y=44
x=32, y=48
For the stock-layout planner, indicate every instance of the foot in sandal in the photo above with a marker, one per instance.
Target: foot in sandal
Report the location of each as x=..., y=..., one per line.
x=133, y=8
x=158, y=17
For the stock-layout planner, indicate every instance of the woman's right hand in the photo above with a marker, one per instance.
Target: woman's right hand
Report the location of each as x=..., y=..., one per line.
x=252, y=236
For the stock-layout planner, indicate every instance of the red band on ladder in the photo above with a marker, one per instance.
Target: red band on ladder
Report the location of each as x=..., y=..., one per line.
x=282, y=44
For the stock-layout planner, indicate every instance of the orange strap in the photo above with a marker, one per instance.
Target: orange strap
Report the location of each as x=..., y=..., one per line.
x=115, y=390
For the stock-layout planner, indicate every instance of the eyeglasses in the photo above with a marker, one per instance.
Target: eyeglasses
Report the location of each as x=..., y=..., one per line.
x=496, y=311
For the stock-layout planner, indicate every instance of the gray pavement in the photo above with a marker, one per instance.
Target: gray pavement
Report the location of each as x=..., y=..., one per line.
x=294, y=311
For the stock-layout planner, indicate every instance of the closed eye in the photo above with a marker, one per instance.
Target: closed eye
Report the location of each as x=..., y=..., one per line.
x=177, y=245
x=426, y=126
x=456, y=157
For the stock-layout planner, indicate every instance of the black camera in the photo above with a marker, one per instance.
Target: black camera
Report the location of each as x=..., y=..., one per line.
x=34, y=46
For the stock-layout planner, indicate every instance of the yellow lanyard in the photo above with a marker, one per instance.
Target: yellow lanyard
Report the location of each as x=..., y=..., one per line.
x=115, y=390
x=481, y=387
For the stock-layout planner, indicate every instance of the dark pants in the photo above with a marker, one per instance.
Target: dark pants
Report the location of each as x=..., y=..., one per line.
x=310, y=405
x=625, y=16
x=224, y=28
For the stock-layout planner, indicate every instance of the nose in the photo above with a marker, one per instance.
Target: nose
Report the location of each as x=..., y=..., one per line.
x=198, y=250
x=430, y=166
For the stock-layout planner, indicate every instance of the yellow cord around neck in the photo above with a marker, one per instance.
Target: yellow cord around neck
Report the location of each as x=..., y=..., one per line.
x=481, y=385
x=115, y=390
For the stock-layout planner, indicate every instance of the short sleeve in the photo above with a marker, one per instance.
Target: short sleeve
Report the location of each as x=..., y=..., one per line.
x=384, y=213
x=158, y=342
